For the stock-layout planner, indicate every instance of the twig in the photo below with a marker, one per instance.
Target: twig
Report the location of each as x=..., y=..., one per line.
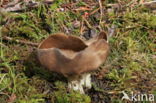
x=101, y=11
x=2, y=93
x=11, y=4
x=16, y=6
x=87, y=23
x=19, y=41
x=82, y=26
x=2, y=45
x=93, y=12
x=150, y=5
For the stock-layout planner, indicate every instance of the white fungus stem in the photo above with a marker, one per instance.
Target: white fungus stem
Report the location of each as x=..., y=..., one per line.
x=77, y=84
x=86, y=80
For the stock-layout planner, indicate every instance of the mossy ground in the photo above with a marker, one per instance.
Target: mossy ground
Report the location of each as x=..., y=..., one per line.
x=132, y=57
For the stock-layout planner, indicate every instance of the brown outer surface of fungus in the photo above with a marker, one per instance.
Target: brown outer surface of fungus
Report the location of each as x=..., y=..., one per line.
x=69, y=55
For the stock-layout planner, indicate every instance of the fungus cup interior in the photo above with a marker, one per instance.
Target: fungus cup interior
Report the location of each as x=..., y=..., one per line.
x=62, y=41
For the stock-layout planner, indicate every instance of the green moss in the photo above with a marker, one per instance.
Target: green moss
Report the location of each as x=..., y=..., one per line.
x=12, y=83
x=132, y=48
x=61, y=96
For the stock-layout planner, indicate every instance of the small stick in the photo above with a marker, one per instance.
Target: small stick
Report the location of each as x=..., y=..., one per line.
x=93, y=12
x=16, y=6
x=19, y=41
x=150, y=4
x=88, y=24
x=82, y=26
x=101, y=11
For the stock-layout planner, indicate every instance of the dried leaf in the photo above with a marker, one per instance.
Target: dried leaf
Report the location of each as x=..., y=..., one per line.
x=12, y=98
